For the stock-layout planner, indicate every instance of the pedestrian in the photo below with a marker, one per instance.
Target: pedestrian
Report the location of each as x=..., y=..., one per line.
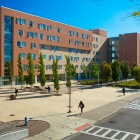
x=16, y=91
x=81, y=105
x=123, y=91
x=49, y=89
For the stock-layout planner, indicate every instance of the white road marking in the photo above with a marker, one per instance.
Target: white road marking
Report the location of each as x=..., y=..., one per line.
x=112, y=137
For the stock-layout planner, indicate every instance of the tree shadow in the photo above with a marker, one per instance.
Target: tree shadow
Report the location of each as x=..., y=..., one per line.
x=31, y=97
x=129, y=90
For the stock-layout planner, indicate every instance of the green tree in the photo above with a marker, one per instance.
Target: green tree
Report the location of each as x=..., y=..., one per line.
x=93, y=70
x=116, y=70
x=137, y=74
x=9, y=70
x=84, y=72
x=41, y=70
x=106, y=71
x=73, y=71
x=125, y=70
x=68, y=70
x=132, y=69
x=55, y=75
x=20, y=71
x=30, y=70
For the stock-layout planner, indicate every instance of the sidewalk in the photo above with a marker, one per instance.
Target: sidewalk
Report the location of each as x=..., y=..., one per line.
x=99, y=102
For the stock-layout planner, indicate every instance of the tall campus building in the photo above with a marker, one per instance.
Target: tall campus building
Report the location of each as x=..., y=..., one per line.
x=22, y=33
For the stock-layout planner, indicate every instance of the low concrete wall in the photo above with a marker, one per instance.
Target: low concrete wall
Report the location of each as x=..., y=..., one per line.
x=15, y=135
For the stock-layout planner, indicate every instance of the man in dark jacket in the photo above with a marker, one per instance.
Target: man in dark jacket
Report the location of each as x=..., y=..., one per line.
x=81, y=105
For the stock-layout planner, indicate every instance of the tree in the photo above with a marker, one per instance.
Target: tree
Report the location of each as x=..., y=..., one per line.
x=20, y=71
x=137, y=74
x=41, y=70
x=105, y=71
x=116, y=70
x=55, y=75
x=73, y=71
x=84, y=68
x=93, y=70
x=9, y=70
x=68, y=70
x=30, y=70
x=132, y=69
x=125, y=70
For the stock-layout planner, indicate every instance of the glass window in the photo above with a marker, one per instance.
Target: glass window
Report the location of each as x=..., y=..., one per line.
x=113, y=48
x=35, y=66
x=33, y=45
x=59, y=30
x=35, y=35
x=42, y=47
x=25, y=67
x=77, y=34
x=49, y=28
x=20, y=32
x=41, y=36
x=22, y=55
x=113, y=42
x=52, y=48
x=33, y=56
x=77, y=50
x=51, y=57
x=113, y=54
x=83, y=35
x=96, y=39
x=30, y=34
x=58, y=39
x=59, y=67
x=42, y=26
x=18, y=43
x=31, y=24
x=20, y=21
x=70, y=41
x=44, y=56
x=57, y=48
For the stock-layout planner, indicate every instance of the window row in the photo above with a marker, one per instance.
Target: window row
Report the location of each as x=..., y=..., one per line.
x=71, y=50
x=34, y=56
x=71, y=33
x=86, y=59
x=77, y=42
x=22, y=44
x=95, y=39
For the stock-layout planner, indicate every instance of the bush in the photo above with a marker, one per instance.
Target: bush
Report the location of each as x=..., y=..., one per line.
x=129, y=84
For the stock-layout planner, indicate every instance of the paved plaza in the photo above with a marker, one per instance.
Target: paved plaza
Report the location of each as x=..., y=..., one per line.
x=99, y=103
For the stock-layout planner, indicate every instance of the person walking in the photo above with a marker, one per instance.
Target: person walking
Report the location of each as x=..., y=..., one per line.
x=123, y=91
x=81, y=105
x=16, y=91
x=49, y=89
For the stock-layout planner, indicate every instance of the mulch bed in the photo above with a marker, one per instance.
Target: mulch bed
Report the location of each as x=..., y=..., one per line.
x=34, y=126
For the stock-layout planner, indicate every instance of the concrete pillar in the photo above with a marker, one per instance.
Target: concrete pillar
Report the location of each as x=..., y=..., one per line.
x=35, y=79
x=13, y=81
x=0, y=81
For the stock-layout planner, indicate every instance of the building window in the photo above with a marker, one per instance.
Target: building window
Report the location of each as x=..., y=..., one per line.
x=57, y=48
x=77, y=50
x=44, y=56
x=30, y=34
x=35, y=66
x=51, y=57
x=97, y=59
x=25, y=67
x=22, y=55
x=42, y=47
x=83, y=43
x=42, y=26
x=59, y=30
x=49, y=28
x=87, y=59
x=31, y=24
x=113, y=48
x=70, y=41
x=71, y=58
x=77, y=34
x=33, y=45
x=83, y=35
x=59, y=67
x=97, y=53
x=52, y=48
x=97, y=39
x=20, y=21
x=71, y=33
x=34, y=56
x=21, y=44
x=113, y=54
x=51, y=38
x=58, y=39
x=48, y=67
x=41, y=36
x=76, y=66
x=93, y=38
x=20, y=32
x=34, y=35
x=88, y=36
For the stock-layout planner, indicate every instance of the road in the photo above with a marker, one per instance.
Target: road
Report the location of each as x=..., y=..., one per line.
x=123, y=125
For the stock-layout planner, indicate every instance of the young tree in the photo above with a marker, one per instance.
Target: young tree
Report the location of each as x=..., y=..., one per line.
x=105, y=71
x=137, y=74
x=9, y=70
x=93, y=70
x=68, y=70
x=132, y=69
x=30, y=71
x=20, y=71
x=55, y=75
x=116, y=70
x=73, y=71
x=125, y=70
x=84, y=68
x=41, y=70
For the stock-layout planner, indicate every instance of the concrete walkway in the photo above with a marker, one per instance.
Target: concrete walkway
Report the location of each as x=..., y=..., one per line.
x=99, y=103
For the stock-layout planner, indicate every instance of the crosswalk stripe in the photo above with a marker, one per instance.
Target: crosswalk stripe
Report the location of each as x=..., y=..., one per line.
x=106, y=132
x=115, y=135
x=89, y=129
x=98, y=131
x=125, y=136
x=136, y=137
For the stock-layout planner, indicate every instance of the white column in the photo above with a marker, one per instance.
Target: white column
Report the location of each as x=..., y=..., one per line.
x=35, y=79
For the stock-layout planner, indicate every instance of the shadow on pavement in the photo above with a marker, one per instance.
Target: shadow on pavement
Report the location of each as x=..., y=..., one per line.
x=72, y=115
x=129, y=90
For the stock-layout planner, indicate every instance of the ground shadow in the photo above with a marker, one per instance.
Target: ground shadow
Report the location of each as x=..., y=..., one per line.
x=129, y=90
x=18, y=95
x=120, y=95
x=72, y=115
x=31, y=97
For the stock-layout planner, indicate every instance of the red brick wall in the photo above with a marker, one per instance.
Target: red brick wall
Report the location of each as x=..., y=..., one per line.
x=64, y=37
x=99, y=32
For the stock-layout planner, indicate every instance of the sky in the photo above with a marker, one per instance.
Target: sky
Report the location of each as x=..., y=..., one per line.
x=109, y=15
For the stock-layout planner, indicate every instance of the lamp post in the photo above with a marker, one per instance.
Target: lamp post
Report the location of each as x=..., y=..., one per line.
x=98, y=78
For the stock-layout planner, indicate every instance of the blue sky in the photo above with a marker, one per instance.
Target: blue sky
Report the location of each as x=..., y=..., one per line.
x=85, y=14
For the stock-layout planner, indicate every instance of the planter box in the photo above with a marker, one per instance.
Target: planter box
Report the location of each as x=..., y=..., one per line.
x=12, y=97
